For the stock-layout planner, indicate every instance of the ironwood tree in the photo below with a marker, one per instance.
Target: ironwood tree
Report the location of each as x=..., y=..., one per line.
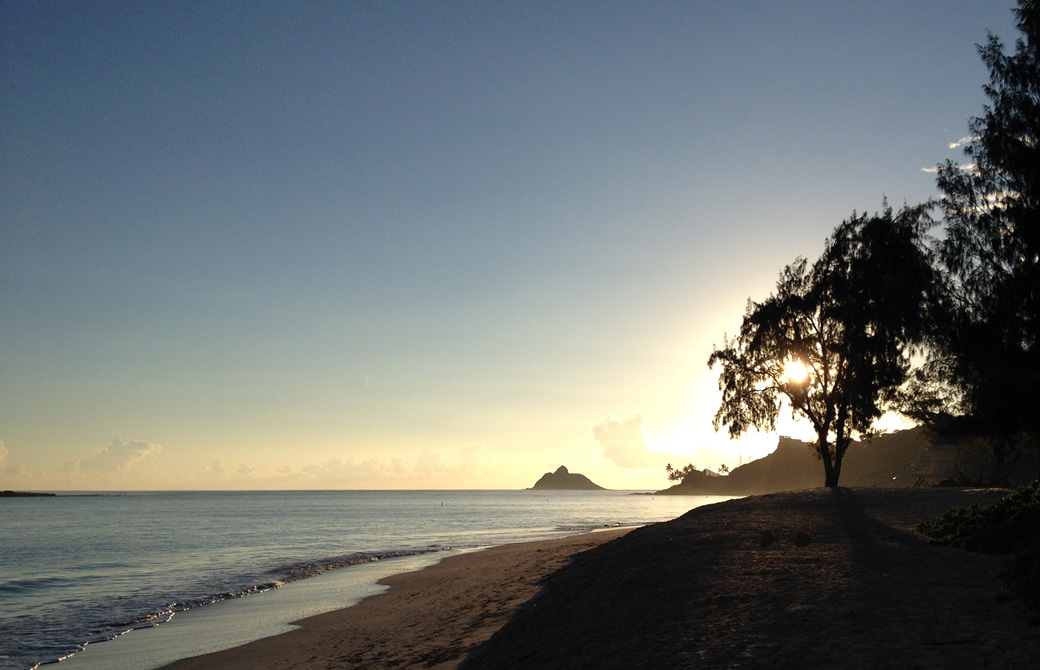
x=983, y=372
x=992, y=244
x=836, y=338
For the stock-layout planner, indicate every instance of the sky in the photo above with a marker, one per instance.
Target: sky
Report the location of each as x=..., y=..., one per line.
x=370, y=245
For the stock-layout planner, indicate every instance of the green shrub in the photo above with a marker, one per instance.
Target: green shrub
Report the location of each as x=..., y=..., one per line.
x=1009, y=526
x=1022, y=575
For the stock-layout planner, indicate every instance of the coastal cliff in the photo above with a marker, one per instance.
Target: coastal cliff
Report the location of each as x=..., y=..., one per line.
x=885, y=461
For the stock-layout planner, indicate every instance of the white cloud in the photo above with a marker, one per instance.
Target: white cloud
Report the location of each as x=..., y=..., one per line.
x=966, y=167
x=340, y=472
x=429, y=463
x=118, y=457
x=216, y=469
x=10, y=468
x=334, y=467
x=624, y=444
x=337, y=470
x=246, y=470
x=964, y=140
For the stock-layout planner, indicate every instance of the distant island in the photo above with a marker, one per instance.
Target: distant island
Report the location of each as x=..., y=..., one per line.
x=24, y=494
x=562, y=480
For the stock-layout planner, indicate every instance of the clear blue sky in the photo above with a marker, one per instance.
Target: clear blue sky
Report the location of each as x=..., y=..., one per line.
x=428, y=244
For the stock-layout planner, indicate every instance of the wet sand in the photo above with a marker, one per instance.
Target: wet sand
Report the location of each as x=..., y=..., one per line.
x=809, y=579
x=428, y=619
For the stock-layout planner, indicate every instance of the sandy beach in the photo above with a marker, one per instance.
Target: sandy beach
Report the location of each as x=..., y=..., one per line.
x=818, y=578
x=428, y=619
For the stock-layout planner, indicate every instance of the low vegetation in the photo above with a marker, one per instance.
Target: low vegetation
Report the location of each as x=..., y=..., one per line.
x=1009, y=526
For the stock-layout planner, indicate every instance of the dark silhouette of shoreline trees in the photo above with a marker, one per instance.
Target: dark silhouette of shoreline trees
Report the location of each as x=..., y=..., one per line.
x=881, y=293
x=983, y=375
x=851, y=321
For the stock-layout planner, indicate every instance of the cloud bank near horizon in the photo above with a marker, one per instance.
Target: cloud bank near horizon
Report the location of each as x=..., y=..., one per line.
x=624, y=444
x=120, y=456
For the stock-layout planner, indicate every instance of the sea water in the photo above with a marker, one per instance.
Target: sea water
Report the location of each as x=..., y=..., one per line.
x=175, y=571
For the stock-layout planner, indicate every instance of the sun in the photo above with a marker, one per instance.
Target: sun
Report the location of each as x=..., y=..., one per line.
x=795, y=371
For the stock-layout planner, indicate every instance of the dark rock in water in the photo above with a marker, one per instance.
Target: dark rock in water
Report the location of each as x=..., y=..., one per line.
x=801, y=540
x=562, y=480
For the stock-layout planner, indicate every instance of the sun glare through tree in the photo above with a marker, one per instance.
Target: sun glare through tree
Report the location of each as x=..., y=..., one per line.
x=795, y=371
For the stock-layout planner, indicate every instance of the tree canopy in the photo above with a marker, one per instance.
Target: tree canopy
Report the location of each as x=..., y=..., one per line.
x=848, y=325
x=833, y=343
x=985, y=366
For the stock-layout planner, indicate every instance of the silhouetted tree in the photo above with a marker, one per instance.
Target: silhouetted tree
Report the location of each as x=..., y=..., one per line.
x=680, y=474
x=984, y=373
x=852, y=320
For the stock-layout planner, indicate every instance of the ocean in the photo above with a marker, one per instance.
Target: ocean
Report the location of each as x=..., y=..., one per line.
x=136, y=580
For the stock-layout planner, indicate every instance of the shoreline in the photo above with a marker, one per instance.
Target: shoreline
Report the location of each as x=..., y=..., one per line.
x=814, y=578
x=429, y=618
x=233, y=622
x=175, y=552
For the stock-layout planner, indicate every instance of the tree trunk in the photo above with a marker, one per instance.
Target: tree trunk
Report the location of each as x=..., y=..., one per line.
x=824, y=450
x=835, y=473
x=841, y=443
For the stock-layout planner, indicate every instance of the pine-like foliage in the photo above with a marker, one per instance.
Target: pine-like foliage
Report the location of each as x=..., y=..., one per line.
x=852, y=320
x=988, y=344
